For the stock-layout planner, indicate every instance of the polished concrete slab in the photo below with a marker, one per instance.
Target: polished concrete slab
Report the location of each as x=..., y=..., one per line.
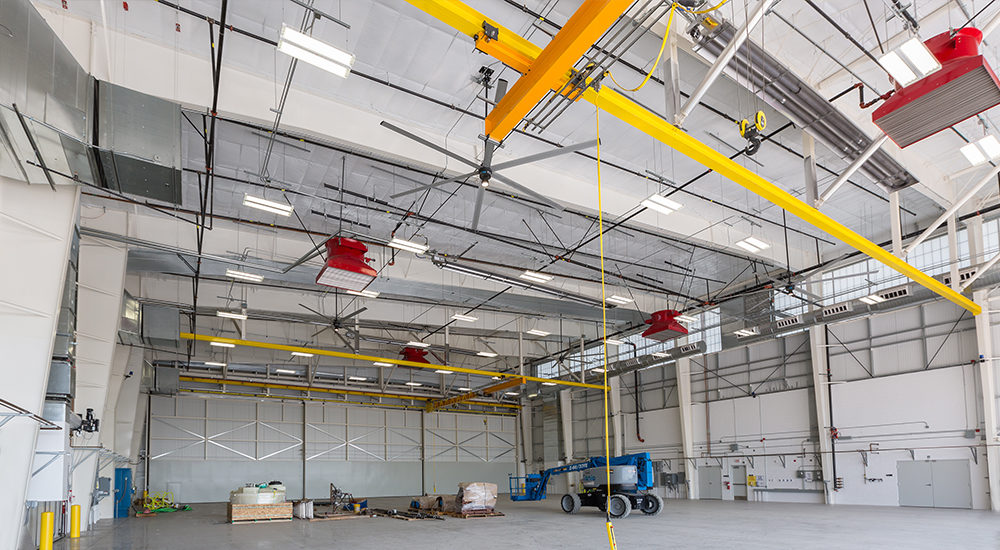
x=683, y=524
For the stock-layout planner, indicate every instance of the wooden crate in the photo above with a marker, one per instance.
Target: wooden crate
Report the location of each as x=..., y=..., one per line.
x=249, y=513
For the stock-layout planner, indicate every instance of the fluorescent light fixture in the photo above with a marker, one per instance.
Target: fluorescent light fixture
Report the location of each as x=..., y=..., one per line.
x=363, y=293
x=511, y=393
x=381, y=364
x=661, y=204
x=598, y=369
x=494, y=378
x=267, y=206
x=535, y=277
x=414, y=384
x=549, y=384
x=466, y=318
x=444, y=371
x=619, y=300
x=536, y=332
x=872, y=299
x=660, y=354
x=315, y=52
x=753, y=245
x=685, y=319
x=416, y=344
x=613, y=342
x=231, y=315
x=464, y=389
x=286, y=371
x=302, y=354
x=222, y=344
x=532, y=395
x=357, y=378
x=910, y=62
x=978, y=152
x=408, y=246
x=233, y=274
x=214, y=364
x=486, y=354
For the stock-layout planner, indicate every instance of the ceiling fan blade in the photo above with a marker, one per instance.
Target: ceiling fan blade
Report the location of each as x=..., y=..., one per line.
x=348, y=316
x=344, y=340
x=426, y=143
x=479, y=207
x=318, y=332
x=501, y=90
x=400, y=176
x=426, y=186
x=545, y=155
x=511, y=183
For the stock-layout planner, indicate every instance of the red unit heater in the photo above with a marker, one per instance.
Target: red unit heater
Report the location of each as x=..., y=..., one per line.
x=414, y=354
x=964, y=86
x=664, y=326
x=346, y=266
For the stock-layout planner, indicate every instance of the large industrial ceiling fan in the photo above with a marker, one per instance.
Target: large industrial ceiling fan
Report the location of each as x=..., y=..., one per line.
x=336, y=325
x=486, y=170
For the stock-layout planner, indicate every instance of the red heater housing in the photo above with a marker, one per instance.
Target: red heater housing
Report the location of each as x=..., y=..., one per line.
x=664, y=326
x=346, y=266
x=414, y=354
x=964, y=87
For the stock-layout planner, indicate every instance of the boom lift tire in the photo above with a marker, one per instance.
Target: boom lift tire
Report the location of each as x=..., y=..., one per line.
x=570, y=503
x=620, y=506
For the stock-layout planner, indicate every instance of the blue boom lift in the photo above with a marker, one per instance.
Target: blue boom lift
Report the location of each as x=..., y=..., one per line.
x=631, y=477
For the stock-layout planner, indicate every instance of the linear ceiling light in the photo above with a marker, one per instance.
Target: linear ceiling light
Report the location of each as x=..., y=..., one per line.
x=910, y=62
x=532, y=395
x=619, y=300
x=464, y=389
x=231, y=315
x=213, y=364
x=685, y=318
x=267, y=206
x=597, y=369
x=466, y=318
x=381, y=364
x=536, y=332
x=872, y=299
x=286, y=371
x=486, y=354
x=302, y=354
x=233, y=274
x=414, y=384
x=315, y=52
x=511, y=393
x=613, y=342
x=408, y=246
x=364, y=293
x=222, y=344
x=753, y=245
x=535, y=277
x=444, y=371
x=416, y=344
x=549, y=384
x=978, y=152
x=661, y=204
x=357, y=378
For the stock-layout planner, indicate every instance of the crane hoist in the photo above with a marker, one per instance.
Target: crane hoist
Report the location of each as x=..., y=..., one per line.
x=631, y=479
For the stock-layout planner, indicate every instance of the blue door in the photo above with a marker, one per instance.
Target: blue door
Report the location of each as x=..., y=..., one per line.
x=123, y=491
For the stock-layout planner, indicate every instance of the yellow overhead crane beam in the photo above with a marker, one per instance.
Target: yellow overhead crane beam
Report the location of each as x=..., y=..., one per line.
x=519, y=54
x=375, y=359
x=469, y=396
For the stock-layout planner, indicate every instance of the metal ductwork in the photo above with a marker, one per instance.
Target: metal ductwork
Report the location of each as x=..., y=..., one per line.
x=794, y=98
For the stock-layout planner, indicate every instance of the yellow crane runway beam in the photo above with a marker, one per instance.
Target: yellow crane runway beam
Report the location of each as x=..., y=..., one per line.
x=375, y=359
x=549, y=68
x=470, y=22
x=437, y=404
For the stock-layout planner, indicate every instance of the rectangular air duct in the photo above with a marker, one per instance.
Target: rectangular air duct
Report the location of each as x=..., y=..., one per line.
x=964, y=87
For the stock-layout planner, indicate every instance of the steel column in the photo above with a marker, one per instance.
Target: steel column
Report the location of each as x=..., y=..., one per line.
x=896, y=222
x=821, y=382
x=984, y=338
x=683, y=370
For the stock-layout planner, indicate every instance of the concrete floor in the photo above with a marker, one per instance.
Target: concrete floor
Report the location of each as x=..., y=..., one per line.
x=683, y=524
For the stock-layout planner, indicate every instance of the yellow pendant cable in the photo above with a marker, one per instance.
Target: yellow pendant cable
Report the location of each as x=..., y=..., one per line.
x=604, y=324
x=663, y=45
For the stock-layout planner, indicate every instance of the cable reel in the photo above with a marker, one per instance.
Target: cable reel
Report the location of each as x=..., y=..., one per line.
x=753, y=133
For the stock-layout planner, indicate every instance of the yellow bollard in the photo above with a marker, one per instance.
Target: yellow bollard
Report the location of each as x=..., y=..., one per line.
x=74, y=521
x=45, y=531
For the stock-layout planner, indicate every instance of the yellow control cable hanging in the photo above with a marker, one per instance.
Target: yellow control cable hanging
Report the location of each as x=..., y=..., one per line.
x=604, y=327
x=663, y=45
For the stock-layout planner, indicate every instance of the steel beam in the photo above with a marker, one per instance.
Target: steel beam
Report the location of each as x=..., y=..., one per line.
x=469, y=396
x=468, y=21
x=550, y=67
x=966, y=197
x=859, y=161
x=374, y=359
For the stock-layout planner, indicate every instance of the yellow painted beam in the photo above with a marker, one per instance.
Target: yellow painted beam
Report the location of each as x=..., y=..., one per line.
x=375, y=359
x=469, y=396
x=469, y=22
x=298, y=387
x=549, y=68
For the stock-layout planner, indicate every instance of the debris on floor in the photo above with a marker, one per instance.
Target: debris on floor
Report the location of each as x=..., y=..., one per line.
x=256, y=503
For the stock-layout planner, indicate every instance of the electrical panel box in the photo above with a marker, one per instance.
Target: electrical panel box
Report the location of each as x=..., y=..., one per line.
x=671, y=479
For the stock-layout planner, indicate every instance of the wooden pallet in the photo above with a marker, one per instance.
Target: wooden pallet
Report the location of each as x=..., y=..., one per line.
x=476, y=514
x=336, y=517
x=249, y=513
x=269, y=520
